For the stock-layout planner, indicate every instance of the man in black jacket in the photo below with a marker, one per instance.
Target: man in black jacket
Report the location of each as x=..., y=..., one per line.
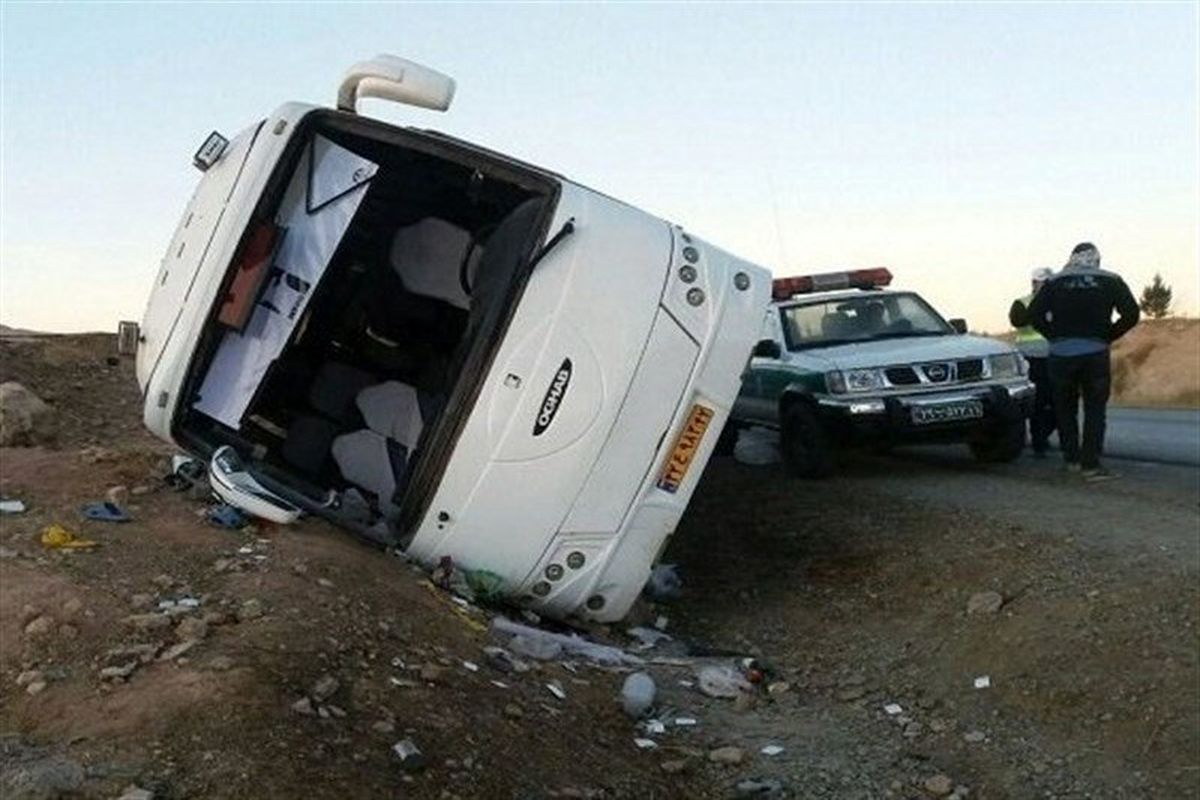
x=1074, y=311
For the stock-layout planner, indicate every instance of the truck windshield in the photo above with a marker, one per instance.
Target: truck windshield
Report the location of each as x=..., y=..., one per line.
x=844, y=320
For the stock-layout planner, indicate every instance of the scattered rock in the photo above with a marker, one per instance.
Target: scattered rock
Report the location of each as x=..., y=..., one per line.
x=29, y=676
x=148, y=622
x=163, y=581
x=39, y=626
x=674, y=766
x=25, y=419
x=939, y=785
x=221, y=663
x=759, y=788
x=117, y=495
x=974, y=737
x=411, y=757
x=384, y=726
x=42, y=778
x=141, y=489
x=325, y=583
x=72, y=607
x=135, y=792
x=222, y=564
x=251, y=609
x=727, y=755
x=36, y=687
x=851, y=693
x=303, y=706
x=191, y=629
x=513, y=711
x=432, y=673
x=68, y=631
x=118, y=673
x=141, y=600
x=637, y=694
x=216, y=618
x=325, y=687
x=176, y=650
x=984, y=603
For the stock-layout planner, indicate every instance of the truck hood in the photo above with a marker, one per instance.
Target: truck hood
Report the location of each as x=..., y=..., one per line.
x=911, y=350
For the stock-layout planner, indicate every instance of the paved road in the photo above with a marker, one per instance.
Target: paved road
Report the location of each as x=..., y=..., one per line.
x=1166, y=436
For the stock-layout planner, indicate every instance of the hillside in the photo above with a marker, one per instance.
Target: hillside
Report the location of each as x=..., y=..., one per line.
x=1158, y=364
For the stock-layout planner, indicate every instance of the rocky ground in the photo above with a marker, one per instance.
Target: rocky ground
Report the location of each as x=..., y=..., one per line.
x=180, y=660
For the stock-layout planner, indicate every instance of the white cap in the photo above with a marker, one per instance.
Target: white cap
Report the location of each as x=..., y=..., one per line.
x=1041, y=274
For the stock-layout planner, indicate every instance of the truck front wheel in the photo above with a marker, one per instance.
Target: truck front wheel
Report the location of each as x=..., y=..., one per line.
x=1001, y=445
x=805, y=443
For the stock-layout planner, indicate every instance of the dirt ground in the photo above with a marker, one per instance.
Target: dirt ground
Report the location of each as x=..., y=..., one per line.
x=852, y=593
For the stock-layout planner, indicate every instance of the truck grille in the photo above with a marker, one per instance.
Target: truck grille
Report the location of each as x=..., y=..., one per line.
x=970, y=369
x=901, y=376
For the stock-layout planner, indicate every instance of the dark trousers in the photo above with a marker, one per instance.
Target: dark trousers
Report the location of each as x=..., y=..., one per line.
x=1074, y=377
x=1043, y=419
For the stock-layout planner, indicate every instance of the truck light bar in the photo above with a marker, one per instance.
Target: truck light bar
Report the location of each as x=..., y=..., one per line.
x=783, y=288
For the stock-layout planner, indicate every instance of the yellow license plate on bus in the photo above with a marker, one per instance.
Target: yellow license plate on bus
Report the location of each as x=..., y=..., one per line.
x=685, y=449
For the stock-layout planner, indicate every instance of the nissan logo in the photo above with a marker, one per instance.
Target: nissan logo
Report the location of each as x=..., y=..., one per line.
x=937, y=372
x=553, y=399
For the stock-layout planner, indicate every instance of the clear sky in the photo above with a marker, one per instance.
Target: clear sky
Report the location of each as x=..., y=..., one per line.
x=962, y=145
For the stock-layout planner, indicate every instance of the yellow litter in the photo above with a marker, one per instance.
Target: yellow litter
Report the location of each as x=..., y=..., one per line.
x=56, y=537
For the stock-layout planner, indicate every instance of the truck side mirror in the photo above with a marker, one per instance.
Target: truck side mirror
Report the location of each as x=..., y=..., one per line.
x=767, y=348
x=959, y=325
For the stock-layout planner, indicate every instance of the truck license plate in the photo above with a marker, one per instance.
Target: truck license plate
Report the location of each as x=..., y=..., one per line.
x=947, y=412
x=685, y=449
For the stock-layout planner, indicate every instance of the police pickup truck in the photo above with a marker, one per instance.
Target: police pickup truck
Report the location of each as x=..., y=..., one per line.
x=845, y=362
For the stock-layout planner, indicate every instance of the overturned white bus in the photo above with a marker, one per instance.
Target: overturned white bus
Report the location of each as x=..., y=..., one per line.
x=443, y=348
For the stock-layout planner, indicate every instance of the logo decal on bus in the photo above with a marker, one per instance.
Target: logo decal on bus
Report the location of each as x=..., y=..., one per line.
x=553, y=399
x=685, y=449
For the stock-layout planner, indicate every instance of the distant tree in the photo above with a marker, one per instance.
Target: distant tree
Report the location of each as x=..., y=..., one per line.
x=1156, y=298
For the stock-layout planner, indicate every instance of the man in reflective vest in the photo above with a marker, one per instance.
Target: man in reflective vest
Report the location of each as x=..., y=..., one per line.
x=1036, y=349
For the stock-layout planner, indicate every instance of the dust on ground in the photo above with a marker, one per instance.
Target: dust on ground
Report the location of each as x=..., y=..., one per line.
x=852, y=593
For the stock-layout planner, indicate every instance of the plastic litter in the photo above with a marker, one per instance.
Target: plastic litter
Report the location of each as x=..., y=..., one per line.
x=772, y=750
x=470, y=666
x=487, y=586
x=411, y=757
x=656, y=727
x=664, y=583
x=893, y=709
x=555, y=688
x=645, y=744
x=535, y=647
x=637, y=695
x=12, y=507
x=757, y=447
x=685, y=722
x=661, y=623
x=983, y=682
x=105, y=512
x=573, y=645
x=226, y=516
x=56, y=537
x=721, y=681
x=648, y=637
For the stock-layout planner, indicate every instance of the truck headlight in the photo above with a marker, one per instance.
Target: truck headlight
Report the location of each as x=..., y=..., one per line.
x=1007, y=365
x=853, y=380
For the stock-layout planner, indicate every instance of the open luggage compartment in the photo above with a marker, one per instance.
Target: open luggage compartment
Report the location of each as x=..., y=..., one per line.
x=364, y=301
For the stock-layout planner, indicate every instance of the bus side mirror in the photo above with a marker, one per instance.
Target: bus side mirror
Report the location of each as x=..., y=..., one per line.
x=959, y=325
x=767, y=348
